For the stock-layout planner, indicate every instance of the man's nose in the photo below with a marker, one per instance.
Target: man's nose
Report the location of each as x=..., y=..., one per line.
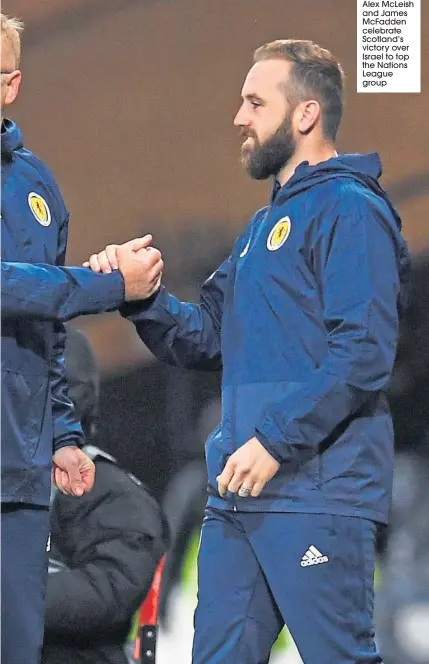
x=241, y=119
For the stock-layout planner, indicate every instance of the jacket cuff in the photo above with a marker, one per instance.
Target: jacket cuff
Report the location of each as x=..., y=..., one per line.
x=68, y=442
x=133, y=310
x=115, y=294
x=272, y=449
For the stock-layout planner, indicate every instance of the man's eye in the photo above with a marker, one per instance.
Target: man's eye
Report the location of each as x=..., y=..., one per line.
x=255, y=104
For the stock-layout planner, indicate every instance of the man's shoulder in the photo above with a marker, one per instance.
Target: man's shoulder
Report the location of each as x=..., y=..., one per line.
x=27, y=160
x=256, y=219
x=259, y=214
x=341, y=195
x=339, y=187
x=31, y=168
x=113, y=476
x=121, y=493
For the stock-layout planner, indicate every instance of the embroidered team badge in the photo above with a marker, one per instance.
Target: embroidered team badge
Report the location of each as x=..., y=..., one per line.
x=279, y=234
x=39, y=208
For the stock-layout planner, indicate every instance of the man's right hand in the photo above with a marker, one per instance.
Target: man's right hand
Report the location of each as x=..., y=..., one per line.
x=140, y=265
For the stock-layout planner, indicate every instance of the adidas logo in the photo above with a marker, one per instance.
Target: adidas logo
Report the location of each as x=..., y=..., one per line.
x=313, y=557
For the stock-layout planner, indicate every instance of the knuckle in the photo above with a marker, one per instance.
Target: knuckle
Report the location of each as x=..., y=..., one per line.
x=112, y=253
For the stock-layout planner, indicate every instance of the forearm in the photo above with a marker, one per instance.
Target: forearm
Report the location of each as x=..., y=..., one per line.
x=178, y=333
x=292, y=429
x=49, y=292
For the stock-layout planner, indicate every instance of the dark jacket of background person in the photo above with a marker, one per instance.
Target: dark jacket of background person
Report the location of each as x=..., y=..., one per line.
x=402, y=607
x=105, y=547
x=409, y=386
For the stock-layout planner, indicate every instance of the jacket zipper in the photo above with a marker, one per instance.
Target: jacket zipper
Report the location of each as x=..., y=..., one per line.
x=234, y=390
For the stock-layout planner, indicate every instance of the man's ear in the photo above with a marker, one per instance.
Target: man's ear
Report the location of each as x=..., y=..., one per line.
x=12, y=87
x=307, y=115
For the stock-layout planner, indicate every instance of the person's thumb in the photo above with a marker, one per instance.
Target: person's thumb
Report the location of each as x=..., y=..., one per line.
x=76, y=483
x=141, y=242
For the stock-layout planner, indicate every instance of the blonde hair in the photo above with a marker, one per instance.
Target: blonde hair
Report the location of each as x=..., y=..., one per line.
x=11, y=29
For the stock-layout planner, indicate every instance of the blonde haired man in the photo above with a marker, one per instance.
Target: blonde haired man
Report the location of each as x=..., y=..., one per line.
x=10, y=57
x=40, y=430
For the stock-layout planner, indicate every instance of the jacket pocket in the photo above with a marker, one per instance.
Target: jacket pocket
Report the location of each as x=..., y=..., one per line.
x=23, y=411
x=252, y=403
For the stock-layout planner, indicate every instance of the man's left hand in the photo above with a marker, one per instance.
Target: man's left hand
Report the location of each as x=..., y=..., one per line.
x=247, y=470
x=73, y=472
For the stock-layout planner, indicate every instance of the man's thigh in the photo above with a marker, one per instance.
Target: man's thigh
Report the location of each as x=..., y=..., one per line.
x=24, y=533
x=236, y=620
x=320, y=569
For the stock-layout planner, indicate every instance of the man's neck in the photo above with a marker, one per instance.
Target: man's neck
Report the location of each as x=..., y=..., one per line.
x=313, y=156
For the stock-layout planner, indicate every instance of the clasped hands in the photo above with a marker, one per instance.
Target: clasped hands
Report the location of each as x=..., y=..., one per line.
x=140, y=264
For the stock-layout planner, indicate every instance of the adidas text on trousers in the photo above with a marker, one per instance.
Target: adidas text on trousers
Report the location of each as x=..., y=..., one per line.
x=313, y=572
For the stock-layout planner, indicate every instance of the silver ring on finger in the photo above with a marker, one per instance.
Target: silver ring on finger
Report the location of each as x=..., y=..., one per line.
x=244, y=491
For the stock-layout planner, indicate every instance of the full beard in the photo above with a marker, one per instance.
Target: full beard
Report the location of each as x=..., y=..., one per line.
x=264, y=160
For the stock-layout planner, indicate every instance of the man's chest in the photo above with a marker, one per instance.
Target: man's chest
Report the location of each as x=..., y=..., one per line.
x=29, y=227
x=276, y=251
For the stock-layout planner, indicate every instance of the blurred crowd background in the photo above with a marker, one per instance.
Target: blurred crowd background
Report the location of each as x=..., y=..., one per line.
x=131, y=104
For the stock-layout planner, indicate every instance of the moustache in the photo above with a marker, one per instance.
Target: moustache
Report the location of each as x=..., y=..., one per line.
x=247, y=134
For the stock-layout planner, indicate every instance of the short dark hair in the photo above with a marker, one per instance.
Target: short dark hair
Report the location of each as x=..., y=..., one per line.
x=315, y=74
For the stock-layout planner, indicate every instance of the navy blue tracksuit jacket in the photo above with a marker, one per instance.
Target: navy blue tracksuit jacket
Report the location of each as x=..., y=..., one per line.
x=303, y=320
x=37, y=415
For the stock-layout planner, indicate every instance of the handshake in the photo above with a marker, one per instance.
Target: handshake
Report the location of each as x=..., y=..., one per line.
x=140, y=265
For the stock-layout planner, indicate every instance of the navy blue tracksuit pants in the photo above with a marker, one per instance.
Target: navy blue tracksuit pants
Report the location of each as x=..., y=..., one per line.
x=313, y=572
x=24, y=564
